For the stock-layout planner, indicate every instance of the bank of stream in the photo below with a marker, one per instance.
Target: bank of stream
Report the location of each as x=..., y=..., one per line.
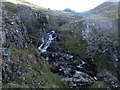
x=78, y=72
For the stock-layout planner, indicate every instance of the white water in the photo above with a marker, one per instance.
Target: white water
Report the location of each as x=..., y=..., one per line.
x=43, y=47
x=86, y=31
x=95, y=78
x=66, y=79
x=115, y=57
x=46, y=43
x=80, y=66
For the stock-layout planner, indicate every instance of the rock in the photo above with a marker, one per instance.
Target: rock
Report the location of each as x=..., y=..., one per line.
x=99, y=84
x=82, y=77
x=18, y=73
x=72, y=85
x=30, y=56
x=6, y=54
x=67, y=72
x=79, y=79
x=2, y=37
x=112, y=81
x=109, y=78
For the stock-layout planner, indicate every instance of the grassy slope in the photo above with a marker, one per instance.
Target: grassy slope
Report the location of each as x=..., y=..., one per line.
x=71, y=40
x=36, y=66
x=107, y=9
x=73, y=44
x=35, y=71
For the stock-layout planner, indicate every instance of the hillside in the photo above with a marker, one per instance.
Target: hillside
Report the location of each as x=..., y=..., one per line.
x=22, y=65
x=101, y=31
x=43, y=48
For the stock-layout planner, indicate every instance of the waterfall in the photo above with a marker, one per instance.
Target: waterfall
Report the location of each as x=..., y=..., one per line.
x=45, y=44
x=62, y=63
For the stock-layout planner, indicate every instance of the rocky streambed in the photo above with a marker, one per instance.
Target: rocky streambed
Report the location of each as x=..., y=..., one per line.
x=78, y=72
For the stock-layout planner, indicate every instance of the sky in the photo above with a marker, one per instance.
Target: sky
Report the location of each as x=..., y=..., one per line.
x=76, y=5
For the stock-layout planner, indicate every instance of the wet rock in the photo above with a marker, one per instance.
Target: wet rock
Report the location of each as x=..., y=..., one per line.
x=82, y=79
x=67, y=72
x=79, y=79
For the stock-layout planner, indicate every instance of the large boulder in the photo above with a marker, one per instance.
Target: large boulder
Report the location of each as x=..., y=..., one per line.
x=79, y=79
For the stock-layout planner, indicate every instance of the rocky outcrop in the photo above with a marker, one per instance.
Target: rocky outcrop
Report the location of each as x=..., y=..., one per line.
x=22, y=65
x=18, y=32
x=100, y=31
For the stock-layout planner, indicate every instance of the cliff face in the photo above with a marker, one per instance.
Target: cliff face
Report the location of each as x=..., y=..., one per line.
x=38, y=42
x=22, y=64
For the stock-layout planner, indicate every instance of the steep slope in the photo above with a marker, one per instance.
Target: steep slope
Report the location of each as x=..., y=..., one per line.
x=78, y=50
x=26, y=28
x=101, y=33
x=22, y=65
x=107, y=10
x=106, y=7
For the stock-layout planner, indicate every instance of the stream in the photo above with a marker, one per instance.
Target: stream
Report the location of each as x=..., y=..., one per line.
x=78, y=72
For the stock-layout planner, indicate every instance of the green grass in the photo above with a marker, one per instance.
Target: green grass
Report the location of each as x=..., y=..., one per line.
x=103, y=63
x=74, y=45
x=72, y=42
x=39, y=72
x=51, y=78
x=11, y=7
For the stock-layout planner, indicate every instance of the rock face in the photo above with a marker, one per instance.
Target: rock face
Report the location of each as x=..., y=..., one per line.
x=22, y=65
x=15, y=32
x=100, y=30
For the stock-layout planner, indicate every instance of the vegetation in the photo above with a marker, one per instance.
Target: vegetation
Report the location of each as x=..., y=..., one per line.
x=11, y=7
x=35, y=70
x=99, y=84
x=104, y=63
x=71, y=40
